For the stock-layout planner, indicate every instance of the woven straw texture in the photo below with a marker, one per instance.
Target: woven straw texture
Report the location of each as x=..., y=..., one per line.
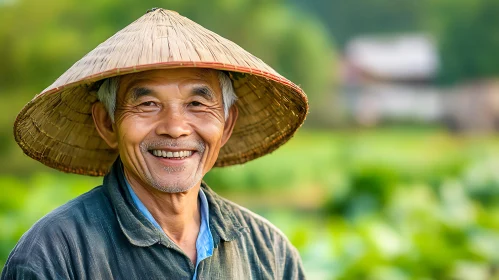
x=57, y=129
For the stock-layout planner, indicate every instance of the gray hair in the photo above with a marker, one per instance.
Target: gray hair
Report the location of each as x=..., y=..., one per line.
x=109, y=88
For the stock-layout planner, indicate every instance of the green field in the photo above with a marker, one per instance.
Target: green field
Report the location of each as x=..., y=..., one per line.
x=368, y=204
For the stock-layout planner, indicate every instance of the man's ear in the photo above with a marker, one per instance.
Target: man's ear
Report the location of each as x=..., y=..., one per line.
x=104, y=125
x=230, y=122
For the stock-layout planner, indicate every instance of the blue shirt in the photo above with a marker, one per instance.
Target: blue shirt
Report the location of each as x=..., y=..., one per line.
x=204, y=242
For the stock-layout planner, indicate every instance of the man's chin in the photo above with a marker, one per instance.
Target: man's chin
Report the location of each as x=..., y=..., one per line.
x=172, y=183
x=174, y=178
x=174, y=188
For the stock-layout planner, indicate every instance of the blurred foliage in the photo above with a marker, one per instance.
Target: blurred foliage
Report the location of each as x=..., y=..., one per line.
x=389, y=204
x=468, y=35
x=382, y=204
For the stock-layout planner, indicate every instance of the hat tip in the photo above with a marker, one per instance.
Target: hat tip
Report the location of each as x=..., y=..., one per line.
x=156, y=8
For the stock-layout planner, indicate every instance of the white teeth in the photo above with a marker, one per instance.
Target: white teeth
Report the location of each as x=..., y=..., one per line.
x=165, y=154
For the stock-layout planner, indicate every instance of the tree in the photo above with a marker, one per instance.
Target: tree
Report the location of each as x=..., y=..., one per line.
x=468, y=37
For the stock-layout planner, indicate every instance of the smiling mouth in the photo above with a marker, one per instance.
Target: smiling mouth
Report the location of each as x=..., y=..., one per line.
x=171, y=154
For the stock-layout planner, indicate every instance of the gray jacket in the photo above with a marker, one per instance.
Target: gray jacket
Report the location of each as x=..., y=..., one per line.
x=102, y=235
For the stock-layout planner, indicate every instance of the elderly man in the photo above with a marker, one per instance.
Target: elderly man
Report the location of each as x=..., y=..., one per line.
x=154, y=108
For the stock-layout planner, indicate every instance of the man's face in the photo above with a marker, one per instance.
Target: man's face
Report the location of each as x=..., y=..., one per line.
x=170, y=126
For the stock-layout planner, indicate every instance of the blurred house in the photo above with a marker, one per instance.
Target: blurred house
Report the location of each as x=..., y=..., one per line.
x=401, y=58
x=390, y=79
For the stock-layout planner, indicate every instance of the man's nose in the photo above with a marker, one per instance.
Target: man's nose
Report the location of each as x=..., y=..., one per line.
x=173, y=122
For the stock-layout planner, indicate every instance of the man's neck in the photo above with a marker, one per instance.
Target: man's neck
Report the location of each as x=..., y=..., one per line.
x=178, y=214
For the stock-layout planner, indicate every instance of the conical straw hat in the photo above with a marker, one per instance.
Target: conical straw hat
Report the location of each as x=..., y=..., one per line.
x=57, y=129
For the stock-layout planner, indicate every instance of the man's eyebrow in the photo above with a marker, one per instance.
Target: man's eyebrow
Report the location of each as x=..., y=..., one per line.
x=204, y=91
x=138, y=92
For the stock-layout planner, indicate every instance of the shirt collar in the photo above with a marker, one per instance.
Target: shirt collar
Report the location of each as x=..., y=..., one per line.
x=204, y=242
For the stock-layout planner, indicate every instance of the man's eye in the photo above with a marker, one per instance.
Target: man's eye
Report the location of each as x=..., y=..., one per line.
x=148, y=103
x=195, y=103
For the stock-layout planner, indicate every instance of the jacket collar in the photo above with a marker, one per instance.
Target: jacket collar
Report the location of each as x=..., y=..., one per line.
x=224, y=224
x=135, y=226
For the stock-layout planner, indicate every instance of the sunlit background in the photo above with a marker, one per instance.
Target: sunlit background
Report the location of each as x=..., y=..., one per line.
x=395, y=172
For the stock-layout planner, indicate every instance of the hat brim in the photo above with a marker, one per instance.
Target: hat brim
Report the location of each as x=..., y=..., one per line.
x=62, y=135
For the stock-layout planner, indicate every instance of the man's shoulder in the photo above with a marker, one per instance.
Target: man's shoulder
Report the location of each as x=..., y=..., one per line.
x=75, y=215
x=256, y=225
x=81, y=209
x=49, y=242
x=270, y=248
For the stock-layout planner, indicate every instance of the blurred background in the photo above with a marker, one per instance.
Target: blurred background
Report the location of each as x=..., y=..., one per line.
x=395, y=172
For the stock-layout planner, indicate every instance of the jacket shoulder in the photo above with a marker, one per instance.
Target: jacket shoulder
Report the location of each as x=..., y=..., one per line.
x=80, y=211
x=271, y=244
x=46, y=247
x=250, y=219
x=259, y=227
